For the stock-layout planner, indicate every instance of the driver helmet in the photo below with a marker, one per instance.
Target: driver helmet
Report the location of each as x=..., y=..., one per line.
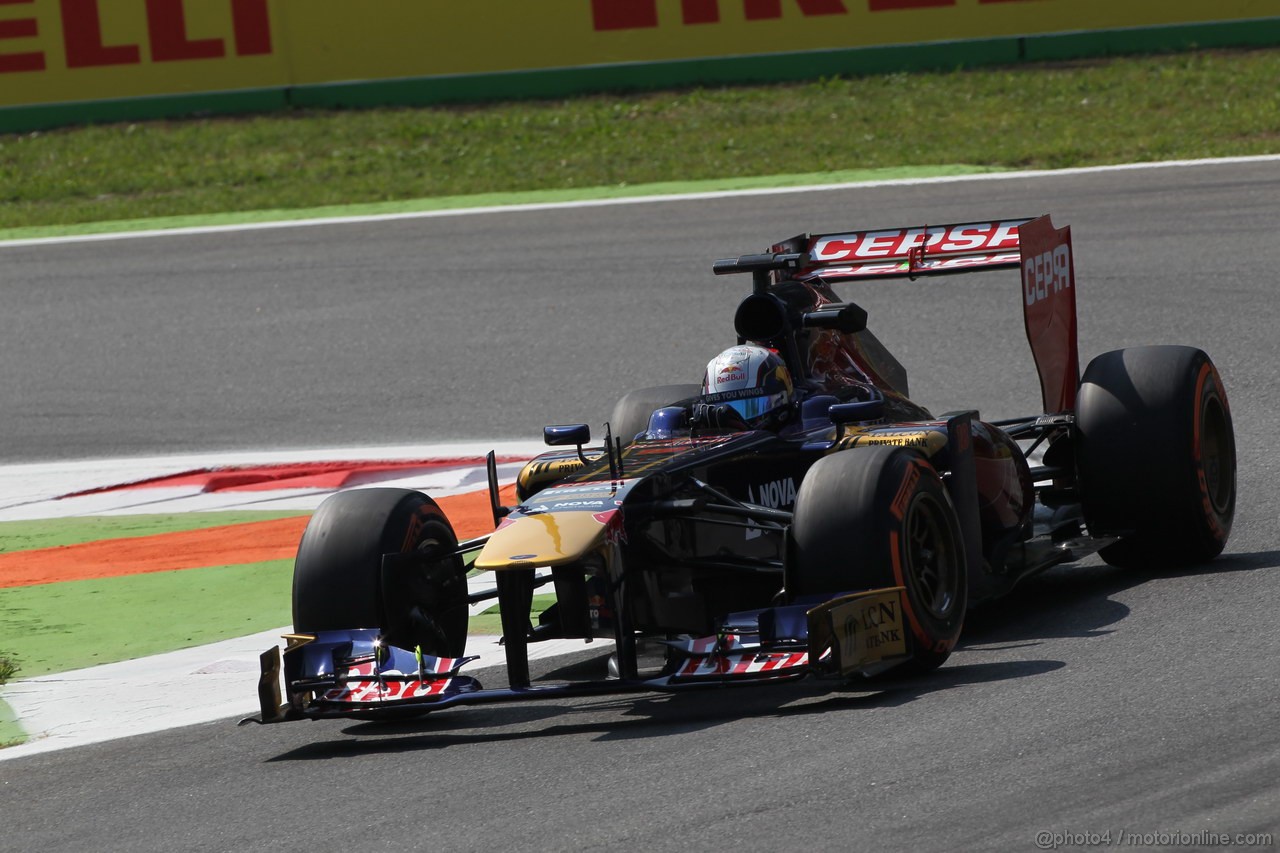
x=752, y=380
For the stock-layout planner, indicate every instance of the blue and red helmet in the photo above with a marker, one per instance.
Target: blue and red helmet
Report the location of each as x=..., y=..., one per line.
x=752, y=380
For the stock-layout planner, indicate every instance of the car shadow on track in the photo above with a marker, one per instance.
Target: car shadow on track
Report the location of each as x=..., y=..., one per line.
x=1077, y=600
x=1073, y=601
x=638, y=716
x=1245, y=561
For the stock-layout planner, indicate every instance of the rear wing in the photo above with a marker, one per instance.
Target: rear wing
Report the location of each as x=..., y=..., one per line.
x=906, y=252
x=1042, y=252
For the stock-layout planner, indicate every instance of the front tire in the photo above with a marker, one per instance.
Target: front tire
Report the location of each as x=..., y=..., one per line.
x=338, y=580
x=878, y=517
x=1156, y=456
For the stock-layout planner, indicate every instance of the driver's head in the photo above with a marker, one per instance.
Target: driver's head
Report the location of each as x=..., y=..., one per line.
x=751, y=380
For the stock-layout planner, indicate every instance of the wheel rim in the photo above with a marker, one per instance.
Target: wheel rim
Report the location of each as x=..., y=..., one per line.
x=932, y=556
x=1216, y=457
x=425, y=605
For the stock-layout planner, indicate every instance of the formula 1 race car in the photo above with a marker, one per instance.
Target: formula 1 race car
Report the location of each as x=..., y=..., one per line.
x=794, y=515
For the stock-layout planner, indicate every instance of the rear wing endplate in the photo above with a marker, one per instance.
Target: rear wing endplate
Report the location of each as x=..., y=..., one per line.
x=1049, y=310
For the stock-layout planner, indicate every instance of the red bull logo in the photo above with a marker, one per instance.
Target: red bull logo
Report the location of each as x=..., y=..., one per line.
x=730, y=374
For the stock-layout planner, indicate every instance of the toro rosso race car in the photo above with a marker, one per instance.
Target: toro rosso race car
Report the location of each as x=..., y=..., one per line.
x=796, y=515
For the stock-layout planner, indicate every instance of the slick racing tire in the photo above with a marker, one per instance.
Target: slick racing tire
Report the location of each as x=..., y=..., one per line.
x=631, y=413
x=876, y=517
x=339, y=582
x=1156, y=456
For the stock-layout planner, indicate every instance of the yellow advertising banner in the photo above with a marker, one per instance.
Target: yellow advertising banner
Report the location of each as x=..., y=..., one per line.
x=54, y=51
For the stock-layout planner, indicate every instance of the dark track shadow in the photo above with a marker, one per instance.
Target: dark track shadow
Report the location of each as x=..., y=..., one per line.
x=1071, y=601
x=1245, y=561
x=640, y=716
x=1076, y=600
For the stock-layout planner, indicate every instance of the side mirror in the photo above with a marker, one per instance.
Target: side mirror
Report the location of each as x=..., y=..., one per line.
x=569, y=434
x=814, y=412
x=849, y=413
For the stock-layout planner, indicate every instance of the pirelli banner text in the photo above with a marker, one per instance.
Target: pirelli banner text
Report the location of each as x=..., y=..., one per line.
x=249, y=53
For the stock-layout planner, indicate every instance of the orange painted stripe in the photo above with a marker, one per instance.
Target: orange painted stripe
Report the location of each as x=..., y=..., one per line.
x=252, y=542
x=230, y=545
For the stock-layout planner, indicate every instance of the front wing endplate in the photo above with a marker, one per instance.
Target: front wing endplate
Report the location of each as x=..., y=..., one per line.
x=858, y=633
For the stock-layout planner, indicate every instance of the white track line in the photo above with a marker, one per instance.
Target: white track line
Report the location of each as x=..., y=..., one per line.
x=671, y=197
x=162, y=692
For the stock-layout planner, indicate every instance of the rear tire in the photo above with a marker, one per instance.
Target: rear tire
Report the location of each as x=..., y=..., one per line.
x=338, y=578
x=1156, y=456
x=631, y=413
x=877, y=517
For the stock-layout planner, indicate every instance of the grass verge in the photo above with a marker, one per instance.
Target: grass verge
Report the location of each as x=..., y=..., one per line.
x=63, y=626
x=10, y=732
x=421, y=205
x=1176, y=106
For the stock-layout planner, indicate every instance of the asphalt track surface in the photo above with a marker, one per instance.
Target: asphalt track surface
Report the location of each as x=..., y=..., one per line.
x=1092, y=700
